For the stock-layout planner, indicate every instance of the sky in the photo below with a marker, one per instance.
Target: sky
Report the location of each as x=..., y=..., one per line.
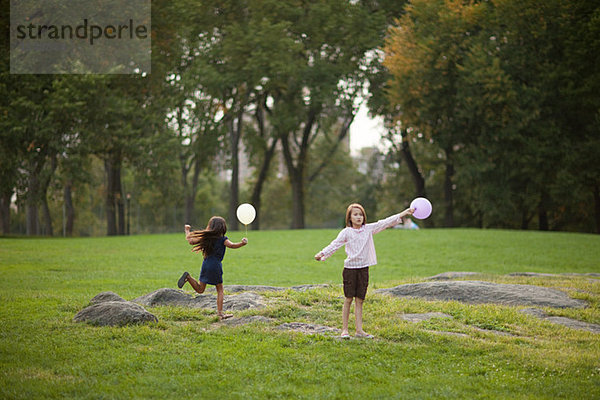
x=365, y=131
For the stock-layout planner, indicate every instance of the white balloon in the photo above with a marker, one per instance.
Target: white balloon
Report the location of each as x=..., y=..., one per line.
x=246, y=213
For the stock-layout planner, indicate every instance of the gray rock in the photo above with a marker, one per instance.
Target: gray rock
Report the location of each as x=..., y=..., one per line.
x=308, y=328
x=165, y=297
x=534, y=312
x=237, y=321
x=451, y=275
x=262, y=288
x=304, y=288
x=251, y=288
x=533, y=274
x=574, y=324
x=568, y=322
x=114, y=313
x=241, y=301
x=424, y=316
x=106, y=296
x=174, y=297
x=477, y=292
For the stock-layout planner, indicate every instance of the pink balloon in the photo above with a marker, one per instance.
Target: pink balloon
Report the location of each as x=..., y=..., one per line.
x=422, y=207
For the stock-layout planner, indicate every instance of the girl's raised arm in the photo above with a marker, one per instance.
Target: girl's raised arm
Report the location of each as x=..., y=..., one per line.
x=388, y=222
x=228, y=243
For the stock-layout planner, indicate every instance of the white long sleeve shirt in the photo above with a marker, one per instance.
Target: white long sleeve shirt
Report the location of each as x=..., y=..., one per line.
x=360, y=249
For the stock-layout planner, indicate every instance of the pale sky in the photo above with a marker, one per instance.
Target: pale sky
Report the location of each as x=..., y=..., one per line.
x=365, y=131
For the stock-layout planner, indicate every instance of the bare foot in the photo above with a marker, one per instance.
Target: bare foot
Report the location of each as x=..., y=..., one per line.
x=224, y=316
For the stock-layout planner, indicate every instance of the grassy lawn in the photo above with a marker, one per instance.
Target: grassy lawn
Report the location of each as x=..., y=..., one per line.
x=187, y=354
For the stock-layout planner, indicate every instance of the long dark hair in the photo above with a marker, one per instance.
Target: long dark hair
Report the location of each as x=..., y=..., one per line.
x=205, y=239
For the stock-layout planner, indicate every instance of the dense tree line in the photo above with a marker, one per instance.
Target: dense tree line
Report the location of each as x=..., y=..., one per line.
x=507, y=91
x=492, y=111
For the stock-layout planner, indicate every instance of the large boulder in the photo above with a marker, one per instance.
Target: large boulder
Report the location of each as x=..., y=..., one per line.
x=114, y=313
x=174, y=297
x=477, y=292
x=106, y=296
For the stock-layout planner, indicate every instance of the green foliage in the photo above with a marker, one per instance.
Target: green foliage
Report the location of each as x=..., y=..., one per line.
x=495, y=85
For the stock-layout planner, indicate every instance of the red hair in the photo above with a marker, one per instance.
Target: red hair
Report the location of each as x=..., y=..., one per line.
x=349, y=213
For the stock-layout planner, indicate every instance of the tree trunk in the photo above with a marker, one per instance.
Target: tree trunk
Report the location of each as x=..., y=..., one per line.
x=258, y=186
x=5, y=211
x=417, y=178
x=31, y=211
x=597, y=206
x=297, y=183
x=120, y=203
x=115, y=210
x=543, y=212
x=48, y=230
x=524, y=220
x=296, y=171
x=45, y=183
x=69, y=210
x=448, y=191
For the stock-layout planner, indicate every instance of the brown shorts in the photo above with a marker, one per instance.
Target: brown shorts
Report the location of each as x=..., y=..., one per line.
x=356, y=281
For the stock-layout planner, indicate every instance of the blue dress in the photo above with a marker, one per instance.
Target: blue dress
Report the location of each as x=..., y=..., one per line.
x=212, y=268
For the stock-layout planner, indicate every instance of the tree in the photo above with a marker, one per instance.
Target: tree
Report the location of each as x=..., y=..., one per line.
x=423, y=55
x=495, y=84
x=321, y=89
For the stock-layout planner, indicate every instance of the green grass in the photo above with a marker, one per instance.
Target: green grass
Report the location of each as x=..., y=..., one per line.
x=45, y=282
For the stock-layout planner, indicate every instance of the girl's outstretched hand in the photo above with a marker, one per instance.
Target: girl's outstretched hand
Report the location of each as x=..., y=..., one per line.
x=319, y=256
x=244, y=241
x=408, y=211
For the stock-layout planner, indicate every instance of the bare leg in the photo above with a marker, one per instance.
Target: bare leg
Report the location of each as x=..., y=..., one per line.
x=199, y=287
x=358, y=313
x=346, y=315
x=220, y=297
x=358, y=310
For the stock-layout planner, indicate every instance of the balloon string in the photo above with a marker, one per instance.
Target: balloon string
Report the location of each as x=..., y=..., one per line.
x=246, y=229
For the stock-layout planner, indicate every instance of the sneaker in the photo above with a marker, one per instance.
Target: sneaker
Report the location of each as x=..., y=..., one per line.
x=182, y=280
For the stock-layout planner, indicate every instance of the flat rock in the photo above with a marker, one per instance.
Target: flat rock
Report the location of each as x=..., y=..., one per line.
x=308, y=328
x=114, y=313
x=262, y=288
x=174, y=297
x=534, y=274
x=568, y=322
x=237, y=321
x=477, y=292
x=423, y=316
